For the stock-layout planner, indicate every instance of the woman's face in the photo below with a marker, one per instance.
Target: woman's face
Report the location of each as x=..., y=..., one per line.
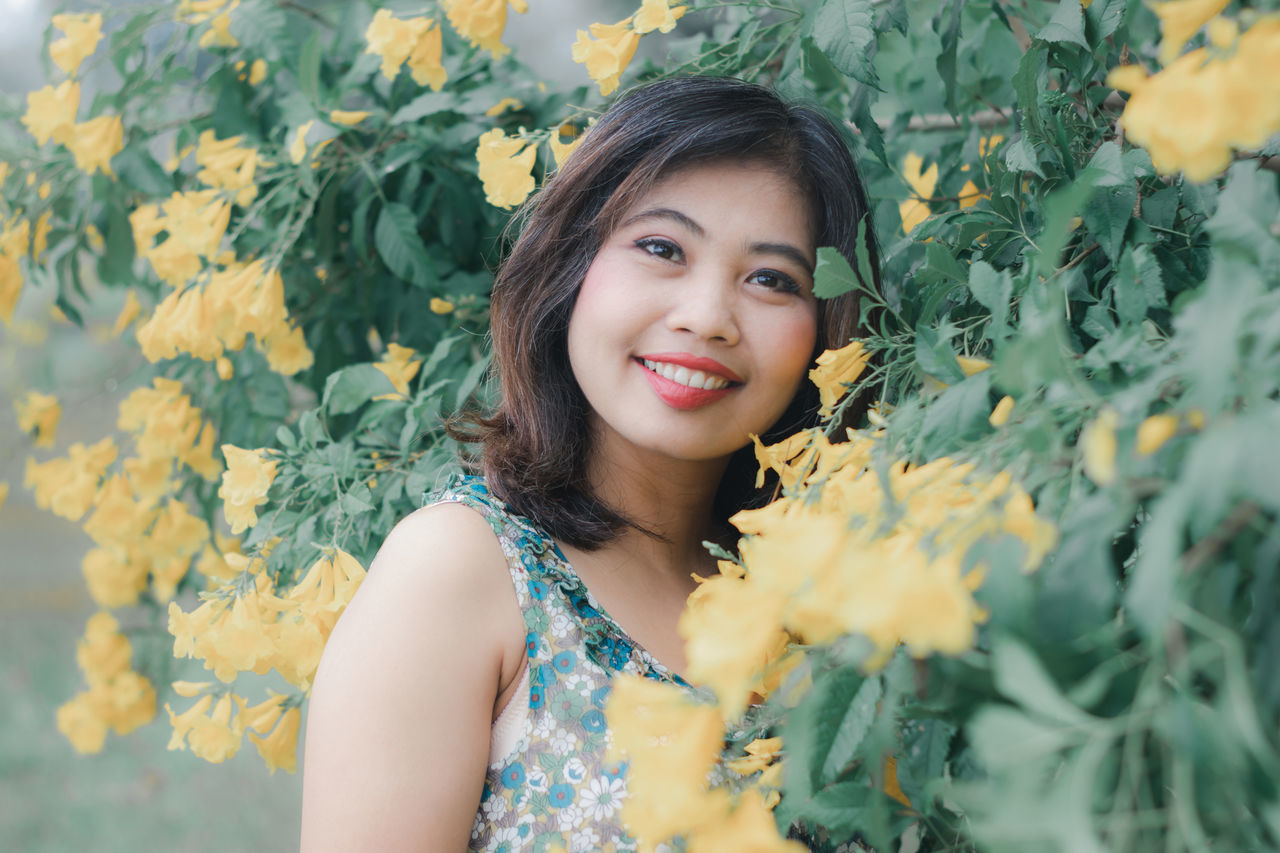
x=696, y=321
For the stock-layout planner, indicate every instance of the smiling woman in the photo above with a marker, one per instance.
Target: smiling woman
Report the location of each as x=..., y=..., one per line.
x=656, y=312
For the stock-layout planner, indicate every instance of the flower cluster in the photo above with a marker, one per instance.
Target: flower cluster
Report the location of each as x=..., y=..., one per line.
x=413, y=40
x=216, y=13
x=15, y=238
x=245, y=484
x=1205, y=104
x=607, y=49
x=851, y=549
x=38, y=414
x=506, y=168
x=251, y=625
x=118, y=698
x=51, y=111
x=226, y=165
x=481, y=22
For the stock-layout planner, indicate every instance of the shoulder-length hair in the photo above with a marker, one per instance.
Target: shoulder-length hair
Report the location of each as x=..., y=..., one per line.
x=535, y=446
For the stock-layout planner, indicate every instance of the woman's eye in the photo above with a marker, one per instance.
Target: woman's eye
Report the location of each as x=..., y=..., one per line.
x=774, y=280
x=659, y=248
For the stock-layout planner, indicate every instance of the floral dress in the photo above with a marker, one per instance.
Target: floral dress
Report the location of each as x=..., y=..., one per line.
x=556, y=789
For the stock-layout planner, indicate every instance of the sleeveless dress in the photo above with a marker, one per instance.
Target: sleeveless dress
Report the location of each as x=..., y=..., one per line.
x=554, y=788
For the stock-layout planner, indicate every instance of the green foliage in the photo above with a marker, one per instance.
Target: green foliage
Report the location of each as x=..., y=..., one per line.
x=1122, y=697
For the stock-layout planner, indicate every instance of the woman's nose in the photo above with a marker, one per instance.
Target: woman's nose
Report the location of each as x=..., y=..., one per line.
x=704, y=305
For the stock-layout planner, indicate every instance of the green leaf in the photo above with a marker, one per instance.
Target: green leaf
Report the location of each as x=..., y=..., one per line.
x=1107, y=216
x=1066, y=24
x=1128, y=292
x=309, y=68
x=116, y=264
x=852, y=729
x=400, y=246
x=424, y=105
x=832, y=275
x=137, y=168
x=1020, y=677
x=351, y=387
x=993, y=291
x=935, y=356
x=958, y=414
x=949, y=33
x=471, y=380
x=844, y=30
x=353, y=505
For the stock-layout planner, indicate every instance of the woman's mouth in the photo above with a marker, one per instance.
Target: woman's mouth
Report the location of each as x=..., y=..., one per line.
x=682, y=387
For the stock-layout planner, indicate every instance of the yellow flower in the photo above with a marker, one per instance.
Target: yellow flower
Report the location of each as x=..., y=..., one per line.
x=970, y=195
x=657, y=15
x=257, y=72
x=1180, y=20
x=1154, y=432
x=425, y=59
x=4, y=493
x=398, y=365
x=215, y=738
x=51, y=112
x=67, y=486
x=279, y=749
x=244, y=485
x=94, y=142
x=13, y=245
x=440, y=306
x=82, y=721
x=836, y=369
x=83, y=32
x=298, y=149
x=970, y=365
x=506, y=168
x=1098, y=447
x=606, y=51
x=287, y=351
x=46, y=188
x=118, y=519
x=751, y=828
x=131, y=702
x=671, y=744
x=227, y=166
x=348, y=117
x=916, y=209
x=504, y=105
x=4, y=171
x=219, y=32
x=393, y=39
x=481, y=22
x=760, y=754
x=40, y=239
x=128, y=313
x=561, y=150
x=114, y=580
x=103, y=652
x=177, y=537
x=39, y=414
x=1000, y=414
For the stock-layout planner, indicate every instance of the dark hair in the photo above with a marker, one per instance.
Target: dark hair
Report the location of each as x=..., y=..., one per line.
x=535, y=445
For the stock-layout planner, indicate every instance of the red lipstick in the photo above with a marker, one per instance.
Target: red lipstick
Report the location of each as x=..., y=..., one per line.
x=694, y=362
x=684, y=397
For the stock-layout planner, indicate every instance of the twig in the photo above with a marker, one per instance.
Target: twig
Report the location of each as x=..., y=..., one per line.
x=1201, y=552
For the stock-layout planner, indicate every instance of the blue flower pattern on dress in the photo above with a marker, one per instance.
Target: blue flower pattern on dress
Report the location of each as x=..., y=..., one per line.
x=556, y=789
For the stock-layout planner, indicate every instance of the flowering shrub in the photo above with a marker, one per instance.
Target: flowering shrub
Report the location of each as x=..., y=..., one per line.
x=1029, y=604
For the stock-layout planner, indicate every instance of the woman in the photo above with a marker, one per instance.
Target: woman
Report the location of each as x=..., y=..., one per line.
x=656, y=311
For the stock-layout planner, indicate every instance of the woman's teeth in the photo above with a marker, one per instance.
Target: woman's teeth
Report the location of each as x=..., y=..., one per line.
x=685, y=376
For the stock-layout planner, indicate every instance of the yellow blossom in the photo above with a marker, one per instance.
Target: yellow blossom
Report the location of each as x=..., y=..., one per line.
x=506, y=168
x=51, y=112
x=40, y=239
x=118, y=519
x=836, y=369
x=82, y=721
x=393, y=39
x=177, y=537
x=1180, y=20
x=1000, y=414
x=257, y=71
x=46, y=188
x=298, y=149
x=82, y=34
x=749, y=829
x=103, y=652
x=245, y=485
x=348, y=117
x=4, y=493
x=605, y=51
x=219, y=32
x=760, y=753
x=4, y=171
x=128, y=313
x=916, y=209
x=657, y=15
x=440, y=306
x=425, y=65
x=287, y=351
x=279, y=749
x=1098, y=448
x=970, y=365
x=225, y=165
x=398, y=366
x=671, y=744
x=1154, y=432
x=561, y=150
x=14, y=239
x=481, y=22
x=67, y=486
x=503, y=105
x=216, y=738
x=970, y=195
x=38, y=414
x=94, y=142
x=114, y=580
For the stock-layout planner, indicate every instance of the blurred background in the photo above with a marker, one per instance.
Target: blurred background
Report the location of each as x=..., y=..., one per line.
x=134, y=795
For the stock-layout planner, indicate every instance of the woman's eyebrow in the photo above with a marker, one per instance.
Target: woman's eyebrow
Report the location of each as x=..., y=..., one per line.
x=785, y=250
x=668, y=213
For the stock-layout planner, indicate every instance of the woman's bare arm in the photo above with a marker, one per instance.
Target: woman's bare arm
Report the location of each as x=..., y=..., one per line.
x=398, y=728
